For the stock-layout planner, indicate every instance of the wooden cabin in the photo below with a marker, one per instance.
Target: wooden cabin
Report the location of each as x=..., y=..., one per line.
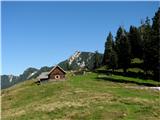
x=56, y=73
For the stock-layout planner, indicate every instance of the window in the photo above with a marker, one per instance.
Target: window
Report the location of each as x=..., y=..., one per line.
x=57, y=77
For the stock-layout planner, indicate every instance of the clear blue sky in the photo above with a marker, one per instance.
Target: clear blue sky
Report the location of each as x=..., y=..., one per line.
x=36, y=34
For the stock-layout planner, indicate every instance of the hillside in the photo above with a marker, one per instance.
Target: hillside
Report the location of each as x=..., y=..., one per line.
x=82, y=97
x=10, y=80
x=76, y=61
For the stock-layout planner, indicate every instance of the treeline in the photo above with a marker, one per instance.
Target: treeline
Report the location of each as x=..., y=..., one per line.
x=141, y=42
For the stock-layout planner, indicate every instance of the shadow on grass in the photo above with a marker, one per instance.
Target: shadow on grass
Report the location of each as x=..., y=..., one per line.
x=140, y=75
x=126, y=81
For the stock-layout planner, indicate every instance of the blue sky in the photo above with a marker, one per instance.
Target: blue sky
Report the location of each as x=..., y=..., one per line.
x=36, y=34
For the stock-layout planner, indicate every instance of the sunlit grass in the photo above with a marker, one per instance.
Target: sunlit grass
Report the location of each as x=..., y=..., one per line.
x=82, y=97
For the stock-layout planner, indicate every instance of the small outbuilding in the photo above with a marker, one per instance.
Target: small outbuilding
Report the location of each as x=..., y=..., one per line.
x=56, y=73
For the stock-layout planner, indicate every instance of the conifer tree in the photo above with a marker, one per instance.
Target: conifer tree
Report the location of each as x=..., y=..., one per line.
x=111, y=55
x=108, y=49
x=123, y=49
x=145, y=30
x=113, y=64
x=136, y=42
x=155, y=45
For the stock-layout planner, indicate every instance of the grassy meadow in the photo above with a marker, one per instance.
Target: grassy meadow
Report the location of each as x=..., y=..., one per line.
x=82, y=97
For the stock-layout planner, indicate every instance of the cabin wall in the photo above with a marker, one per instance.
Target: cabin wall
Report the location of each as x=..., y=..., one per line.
x=57, y=74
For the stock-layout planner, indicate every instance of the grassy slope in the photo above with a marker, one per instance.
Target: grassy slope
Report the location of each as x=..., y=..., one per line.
x=79, y=97
x=124, y=79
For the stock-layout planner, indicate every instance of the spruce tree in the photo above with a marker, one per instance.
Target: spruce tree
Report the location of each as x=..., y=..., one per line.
x=136, y=42
x=111, y=55
x=108, y=49
x=113, y=64
x=155, y=45
x=151, y=45
x=145, y=30
x=123, y=49
x=118, y=35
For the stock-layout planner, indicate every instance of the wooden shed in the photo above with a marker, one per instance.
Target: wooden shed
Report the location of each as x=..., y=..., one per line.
x=56, y=73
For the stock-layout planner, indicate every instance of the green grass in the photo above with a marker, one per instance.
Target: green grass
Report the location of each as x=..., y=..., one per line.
x=135, y=70
x=84, y=97
x=136, y=60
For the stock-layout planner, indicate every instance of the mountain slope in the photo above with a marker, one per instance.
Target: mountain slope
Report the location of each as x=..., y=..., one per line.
x=80, y=60
x=10, y=80
x=76, y=61
x=79, y=98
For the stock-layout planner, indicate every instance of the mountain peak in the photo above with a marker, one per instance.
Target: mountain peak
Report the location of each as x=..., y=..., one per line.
x=80, y=60
x=73, y=57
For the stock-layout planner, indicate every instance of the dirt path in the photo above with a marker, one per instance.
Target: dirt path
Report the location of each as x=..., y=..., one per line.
x=143, y=87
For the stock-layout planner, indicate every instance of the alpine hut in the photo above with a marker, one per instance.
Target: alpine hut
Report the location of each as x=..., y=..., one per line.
x=55, y=74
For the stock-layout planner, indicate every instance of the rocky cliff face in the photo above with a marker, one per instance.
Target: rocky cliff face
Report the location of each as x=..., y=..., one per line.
x=80, y=60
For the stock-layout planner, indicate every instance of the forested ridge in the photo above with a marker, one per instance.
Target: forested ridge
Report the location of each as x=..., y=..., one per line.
x=141, y=42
